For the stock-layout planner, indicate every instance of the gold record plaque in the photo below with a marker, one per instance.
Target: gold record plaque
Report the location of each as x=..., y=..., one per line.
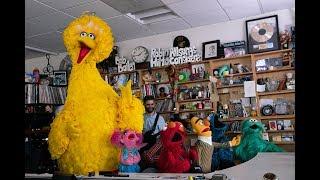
x=262, y=34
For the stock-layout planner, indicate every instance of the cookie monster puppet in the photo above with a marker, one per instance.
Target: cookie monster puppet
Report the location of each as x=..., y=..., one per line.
x=252, y=142
x=222, y=157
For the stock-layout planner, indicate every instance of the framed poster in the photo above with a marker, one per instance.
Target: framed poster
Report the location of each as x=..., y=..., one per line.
x=210, y=49
x=60, y=78
x=263, y=34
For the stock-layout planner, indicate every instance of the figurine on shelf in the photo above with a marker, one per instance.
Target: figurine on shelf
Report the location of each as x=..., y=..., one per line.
x=285, y=39
x=162, y=93
x=170, y=70
x=148, y=78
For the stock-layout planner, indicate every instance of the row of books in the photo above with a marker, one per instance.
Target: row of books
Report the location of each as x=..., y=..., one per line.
x=164, y=105
x=149, y=90
x=44, y=94
x=52, y=95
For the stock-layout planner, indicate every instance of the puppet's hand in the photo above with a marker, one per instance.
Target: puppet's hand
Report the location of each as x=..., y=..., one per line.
x=235, y=141
x=73, y=129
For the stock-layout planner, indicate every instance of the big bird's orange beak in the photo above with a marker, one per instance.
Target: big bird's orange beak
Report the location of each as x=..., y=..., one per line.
x=84, y=50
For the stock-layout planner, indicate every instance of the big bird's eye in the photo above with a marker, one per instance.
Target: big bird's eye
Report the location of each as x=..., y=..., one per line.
x=83, y=34
x=92, y=36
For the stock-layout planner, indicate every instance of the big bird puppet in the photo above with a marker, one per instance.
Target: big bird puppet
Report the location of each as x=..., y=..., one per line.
x=80, y=134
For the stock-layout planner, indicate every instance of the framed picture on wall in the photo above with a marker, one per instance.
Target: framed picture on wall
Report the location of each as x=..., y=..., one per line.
x=60, y=78
x=262, y=34
x=210, y=50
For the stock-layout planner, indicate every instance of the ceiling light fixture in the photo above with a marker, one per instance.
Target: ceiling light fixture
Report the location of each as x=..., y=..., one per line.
x=153, y=15
x=40, y=50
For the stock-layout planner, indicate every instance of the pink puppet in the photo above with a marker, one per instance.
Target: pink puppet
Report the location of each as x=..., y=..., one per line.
x=130, y=142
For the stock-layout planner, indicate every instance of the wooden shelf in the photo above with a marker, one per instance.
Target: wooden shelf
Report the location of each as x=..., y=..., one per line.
x=283, y=142
x=238, y=74
x=126, y=72
x=186, y=65
x=157, y=99
x=192, y=100
x=230, y=58
x=197, y=110
x=195, y=81
x=272, y=52
x=276, y=70
x=157, y=83
x=166, y=112
x=230, y=86
x=276, y=92
x=280, y=131
x=276, y=117
x=234, y=119
x=29, y=131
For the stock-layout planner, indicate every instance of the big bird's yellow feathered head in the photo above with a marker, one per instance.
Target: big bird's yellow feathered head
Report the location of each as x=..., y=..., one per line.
x=88, y=38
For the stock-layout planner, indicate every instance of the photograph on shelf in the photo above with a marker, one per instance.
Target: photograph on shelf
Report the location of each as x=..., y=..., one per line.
x=287, y=125
x=263, y=34
x=163, y=90
x=234, y=49
x=60, y=78
x=276, y=138
x=287, y=137
x=280, y=125
x=210, y=49
x=272, y=125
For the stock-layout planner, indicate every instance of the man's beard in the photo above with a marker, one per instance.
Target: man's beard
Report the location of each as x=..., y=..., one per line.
x=150, y=110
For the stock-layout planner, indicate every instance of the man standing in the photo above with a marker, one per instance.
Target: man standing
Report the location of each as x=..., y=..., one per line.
x=150, y=117
x=151, y=133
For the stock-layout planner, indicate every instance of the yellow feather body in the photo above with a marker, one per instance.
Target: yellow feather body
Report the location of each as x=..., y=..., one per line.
x=92, y=106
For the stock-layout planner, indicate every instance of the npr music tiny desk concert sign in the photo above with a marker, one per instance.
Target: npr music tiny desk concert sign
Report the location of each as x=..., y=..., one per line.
x=163, y=57
x=263, y=34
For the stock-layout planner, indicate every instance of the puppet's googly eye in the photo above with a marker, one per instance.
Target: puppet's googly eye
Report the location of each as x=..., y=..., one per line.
x=181, y=125
x=251, y=120
x=201, y=122
x=91, y=36
x=83, y=34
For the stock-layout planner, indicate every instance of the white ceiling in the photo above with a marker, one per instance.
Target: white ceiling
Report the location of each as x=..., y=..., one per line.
x=46, y=19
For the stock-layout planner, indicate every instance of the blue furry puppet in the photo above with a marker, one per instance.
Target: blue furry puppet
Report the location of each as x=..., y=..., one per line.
x=222, y=157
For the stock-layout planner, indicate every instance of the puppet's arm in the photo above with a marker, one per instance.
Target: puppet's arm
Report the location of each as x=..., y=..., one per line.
x=130, y=110
x=234, y=142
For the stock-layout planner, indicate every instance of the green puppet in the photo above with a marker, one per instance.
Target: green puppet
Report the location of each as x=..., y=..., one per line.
x=252, y=141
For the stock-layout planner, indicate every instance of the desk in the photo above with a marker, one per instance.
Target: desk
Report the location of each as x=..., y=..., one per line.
x=281, y=164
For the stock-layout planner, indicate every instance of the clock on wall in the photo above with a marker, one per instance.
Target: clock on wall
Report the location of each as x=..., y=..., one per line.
x=139, y=54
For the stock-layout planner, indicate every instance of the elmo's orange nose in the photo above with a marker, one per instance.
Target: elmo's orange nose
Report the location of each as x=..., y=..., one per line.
x=171, y=125
x=206, y=122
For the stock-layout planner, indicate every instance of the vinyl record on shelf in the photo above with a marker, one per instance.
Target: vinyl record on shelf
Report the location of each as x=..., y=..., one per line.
x=267, y=110
x=181, y=42
x=262, y=32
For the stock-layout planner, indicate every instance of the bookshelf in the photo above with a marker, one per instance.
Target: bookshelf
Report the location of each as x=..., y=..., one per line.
x=41, y=101
x=244, y=69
